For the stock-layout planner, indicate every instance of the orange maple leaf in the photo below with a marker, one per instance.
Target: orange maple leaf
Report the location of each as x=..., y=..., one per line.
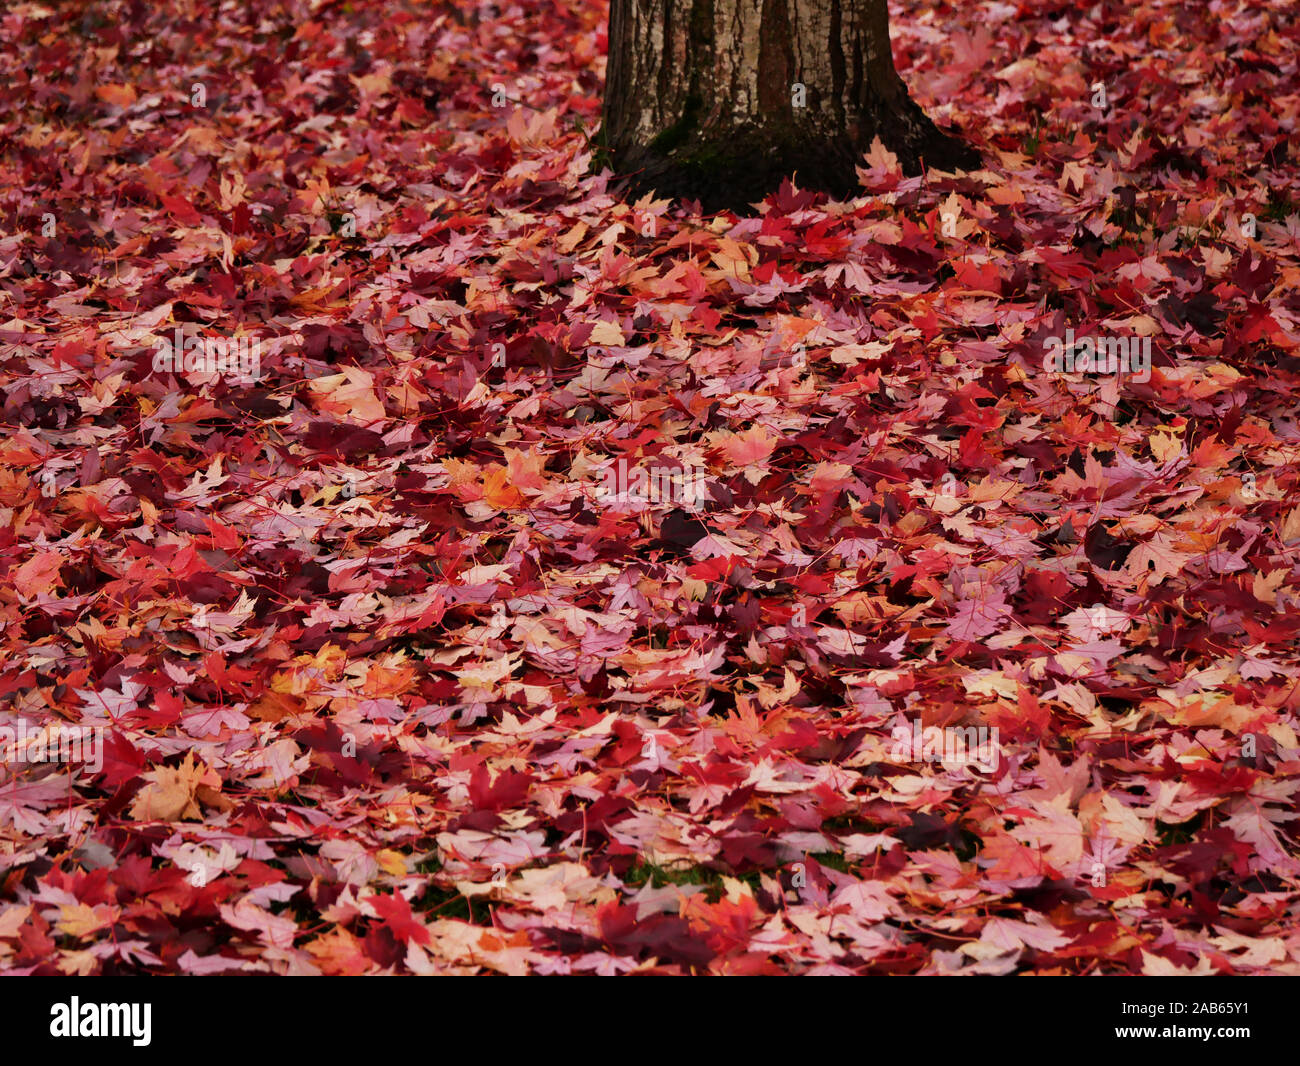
x=749, y=448
x=498, y=489
x=350, y=394
x=340, y=954
x=169, y=796
x=120, y=95
x=39, y=574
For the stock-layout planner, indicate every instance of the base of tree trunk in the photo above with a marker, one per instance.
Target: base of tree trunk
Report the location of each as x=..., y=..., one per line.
x=731, y=169
x=721, y=101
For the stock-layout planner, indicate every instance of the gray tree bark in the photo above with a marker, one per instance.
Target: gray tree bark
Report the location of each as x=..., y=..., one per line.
x=719, y=100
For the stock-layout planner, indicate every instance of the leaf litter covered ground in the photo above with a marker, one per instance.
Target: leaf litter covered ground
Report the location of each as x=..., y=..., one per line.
x=386, y=686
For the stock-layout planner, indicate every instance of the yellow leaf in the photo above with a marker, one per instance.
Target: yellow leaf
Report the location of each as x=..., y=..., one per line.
x=1164, y=447
x=1006, y=195
x=570, y=240
x=880, y=157
x=1291, y=527
x=694, y=589
x=733, y=258
x=391, y=862
x=12, y=920
x=1265, y=586
x=81, y=920
x=1073, y=173
x=607, y=332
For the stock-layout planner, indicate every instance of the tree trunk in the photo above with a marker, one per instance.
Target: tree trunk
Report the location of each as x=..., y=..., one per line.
x=719, y=100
